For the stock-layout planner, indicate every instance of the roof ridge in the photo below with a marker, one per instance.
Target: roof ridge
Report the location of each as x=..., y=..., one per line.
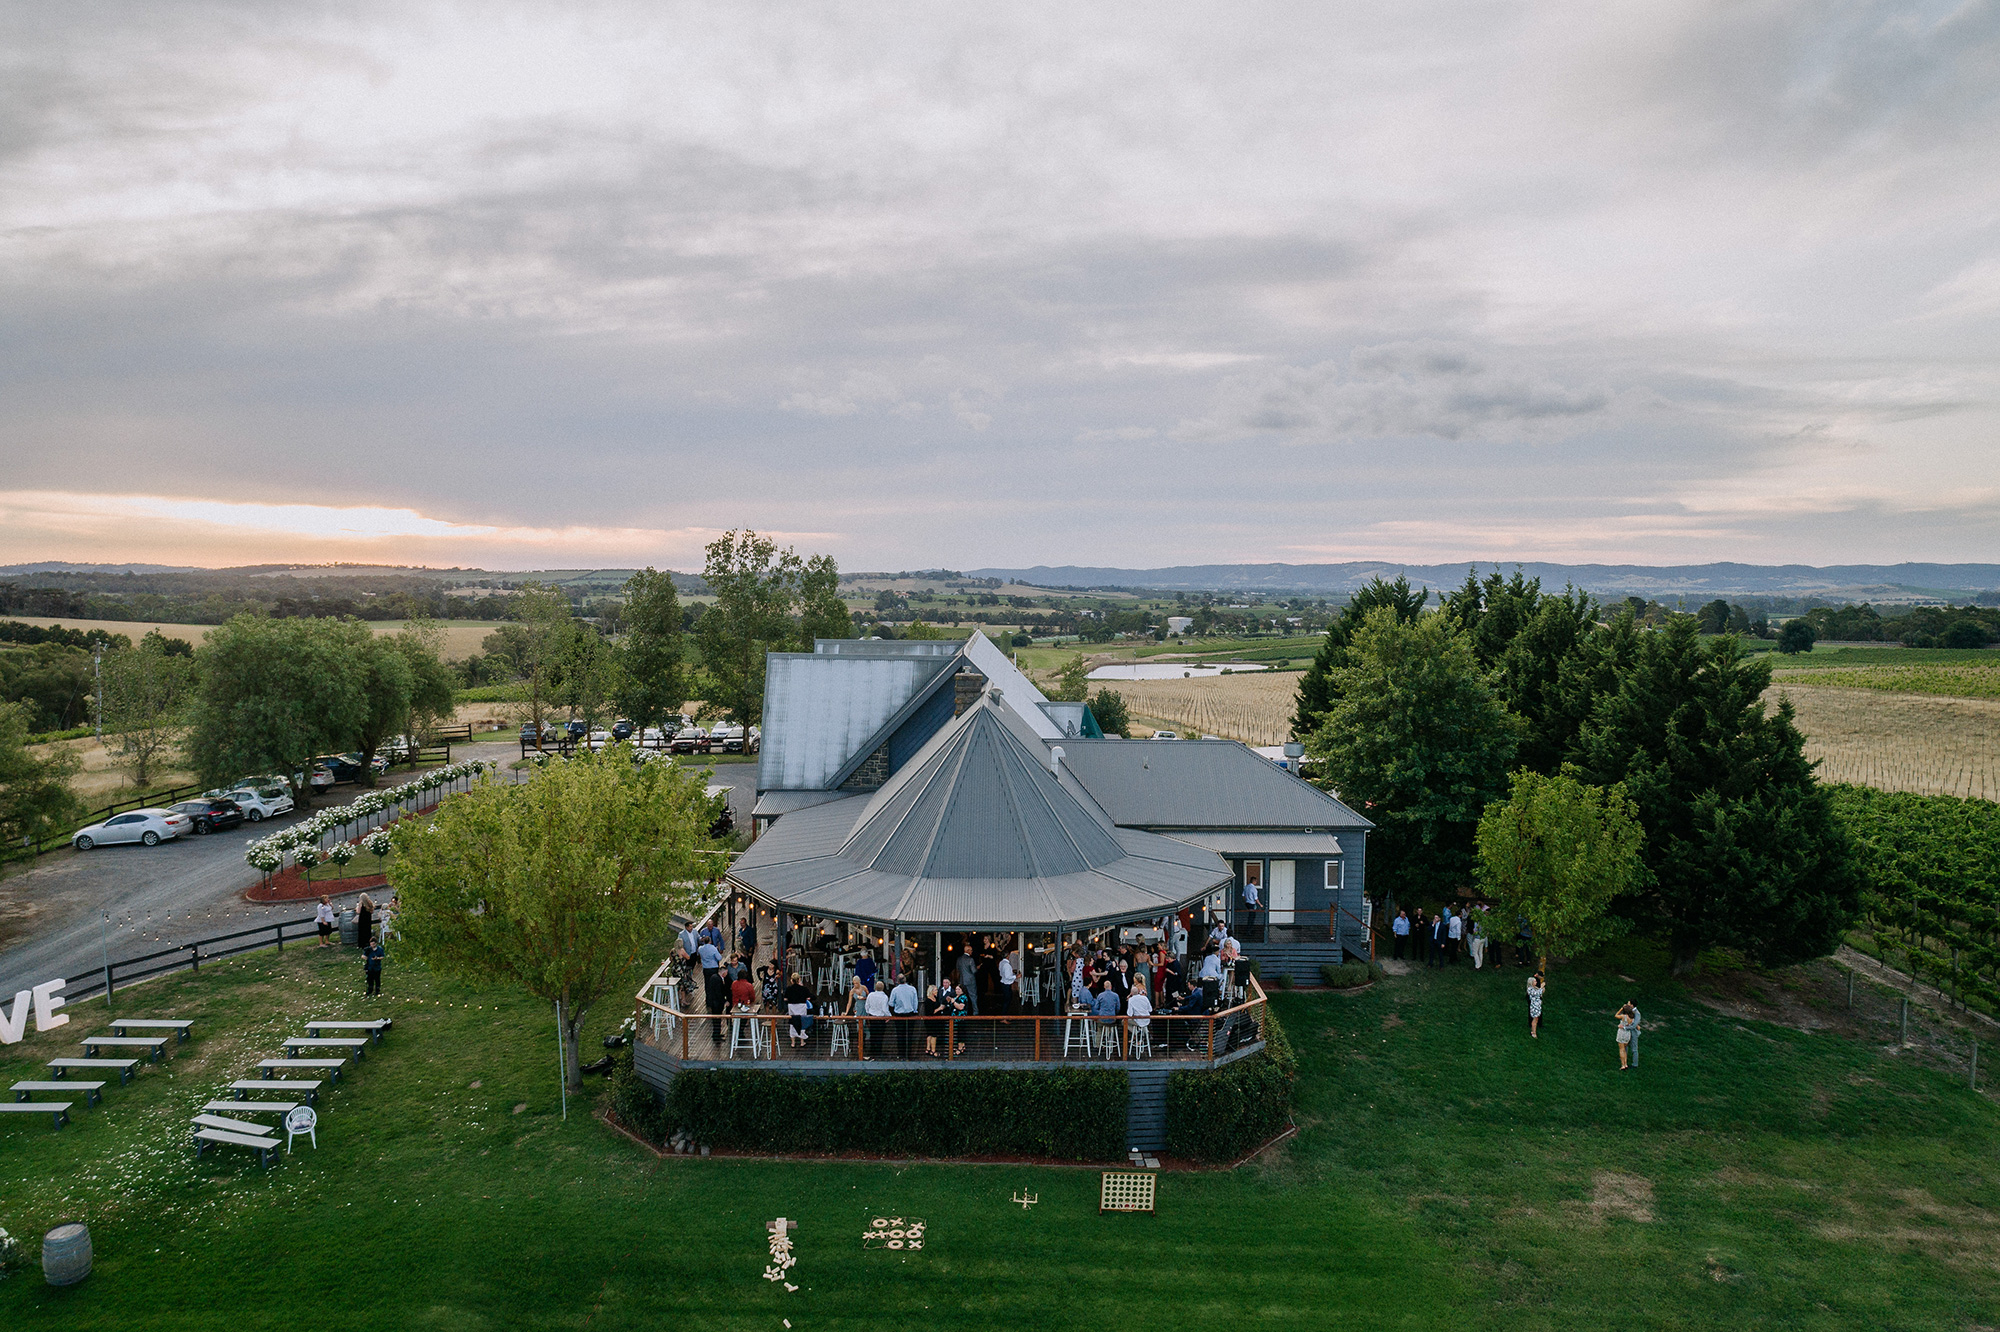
x=956, y=763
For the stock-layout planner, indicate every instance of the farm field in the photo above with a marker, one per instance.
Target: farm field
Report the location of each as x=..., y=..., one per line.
x=461, y=637
x=1970, y=681
x=1771, y=1163
x=1923, y=743
x=1255, y=708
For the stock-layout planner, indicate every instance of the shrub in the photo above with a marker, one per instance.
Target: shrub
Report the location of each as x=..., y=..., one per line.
x=1073, y=1114
x=1348, y=975
x=1219, y=1114
x=1285, y=980
x=637, y=1104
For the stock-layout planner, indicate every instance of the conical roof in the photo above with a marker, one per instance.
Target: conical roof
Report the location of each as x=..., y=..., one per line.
x=976, y=831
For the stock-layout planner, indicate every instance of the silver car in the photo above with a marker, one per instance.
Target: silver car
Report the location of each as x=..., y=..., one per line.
x=149, y=826
x=262, y=803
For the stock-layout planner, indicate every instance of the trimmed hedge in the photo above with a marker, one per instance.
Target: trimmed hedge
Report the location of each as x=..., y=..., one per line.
x=635, y=1101
x=1219, y=1114
x=1347, y=975
x=1075, y=1114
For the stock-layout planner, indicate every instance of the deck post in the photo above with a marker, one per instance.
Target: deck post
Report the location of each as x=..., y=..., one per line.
x=950, y=1037
x=1038, y=1037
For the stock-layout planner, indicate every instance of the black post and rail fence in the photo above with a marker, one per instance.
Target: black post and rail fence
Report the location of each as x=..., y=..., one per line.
x=107, y=977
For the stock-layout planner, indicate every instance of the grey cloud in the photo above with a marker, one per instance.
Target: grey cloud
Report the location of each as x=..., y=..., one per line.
x=1401, y=389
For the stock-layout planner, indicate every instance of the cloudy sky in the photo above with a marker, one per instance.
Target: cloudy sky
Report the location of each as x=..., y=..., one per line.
x=586, y=283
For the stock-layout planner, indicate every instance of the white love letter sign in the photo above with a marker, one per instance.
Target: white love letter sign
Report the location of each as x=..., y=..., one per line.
x=44, y=1000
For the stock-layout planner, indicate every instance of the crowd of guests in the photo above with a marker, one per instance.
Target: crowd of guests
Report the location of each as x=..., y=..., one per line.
x=1103, y=980
x=1439, y=939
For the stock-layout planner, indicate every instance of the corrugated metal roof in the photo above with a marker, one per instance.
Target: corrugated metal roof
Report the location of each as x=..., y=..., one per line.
x=886, y=647
x=975, y=831
x=1199, y=784
x=1307, y=845
x=773, y=803
x=819, y=709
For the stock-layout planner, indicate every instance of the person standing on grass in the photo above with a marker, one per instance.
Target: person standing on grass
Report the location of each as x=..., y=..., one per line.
x=1400, y=928
x=1633, y=1044
x=372, y=954
x=324, y=916
x=1536, y=986
x=1440, y=935
x=1624, y=1038
x=364, y=920
x=1476, y=942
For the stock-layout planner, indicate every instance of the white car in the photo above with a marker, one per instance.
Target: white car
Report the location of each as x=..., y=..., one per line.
x=652, y=738
x=150, y=826
x=1164, y=735
x=599, y=739
x=260, y=803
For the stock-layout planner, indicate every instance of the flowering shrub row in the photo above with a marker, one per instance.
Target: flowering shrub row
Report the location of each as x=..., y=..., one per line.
x=301, y=841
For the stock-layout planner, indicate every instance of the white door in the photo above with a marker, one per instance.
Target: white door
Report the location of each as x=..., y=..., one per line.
x=124, y=828
x=1280, y=891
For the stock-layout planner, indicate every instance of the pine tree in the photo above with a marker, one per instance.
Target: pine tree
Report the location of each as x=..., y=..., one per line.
x=1316, y=686
x=1742, y=846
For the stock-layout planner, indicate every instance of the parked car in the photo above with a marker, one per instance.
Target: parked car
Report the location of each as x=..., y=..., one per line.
x=577, y=728
x=621, y=729
x=263, y=802
x=690, y=740
x=344, y=767
x=210, y=815
x=652, y=738
x=726, y=740
x=1163, y=735
x=150, y=826
x=600, y=739
x=320, y=778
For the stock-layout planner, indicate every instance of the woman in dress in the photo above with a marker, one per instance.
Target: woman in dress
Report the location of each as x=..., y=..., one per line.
x=1536, y=985
x=958, y=1007
x=364, y=921
x=1625, y=1017
x=933, y=1024
x=324, y=916
x=798, y=1003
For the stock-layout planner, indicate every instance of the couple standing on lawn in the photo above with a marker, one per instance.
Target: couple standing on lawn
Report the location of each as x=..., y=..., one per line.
x=1628, y=1022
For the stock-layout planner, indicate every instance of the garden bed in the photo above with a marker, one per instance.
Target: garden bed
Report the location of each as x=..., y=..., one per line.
x=290, y=885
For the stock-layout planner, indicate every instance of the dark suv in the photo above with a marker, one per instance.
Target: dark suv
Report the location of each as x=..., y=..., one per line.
x=343, y=767
x=211, y=815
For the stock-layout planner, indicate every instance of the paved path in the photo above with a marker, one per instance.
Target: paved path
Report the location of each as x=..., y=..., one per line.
x=62, y=917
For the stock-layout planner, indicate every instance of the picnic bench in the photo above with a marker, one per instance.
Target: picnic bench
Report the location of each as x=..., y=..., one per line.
x=58, y=1109
x=253, y=1107
x=157, y=1044
x=311, y=1089
x=124, y=1066
x=357, y=1045
x=331, y=1067
x=265, y=1147
x=94, y=1091
x=373, y=1026
x=178, y=1026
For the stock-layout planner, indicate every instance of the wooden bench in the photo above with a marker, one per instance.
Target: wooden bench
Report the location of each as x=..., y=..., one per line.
x=253, y=1107
x=234, y=1125
x=265, y=1148
x=178, y=1026
x=59, y=1109
x=311, y=1089
x=331, y=1067
x=94, y=1091
x=355, y=1045
x=157, y=1044
x=374, y=1027
x=124, y=1066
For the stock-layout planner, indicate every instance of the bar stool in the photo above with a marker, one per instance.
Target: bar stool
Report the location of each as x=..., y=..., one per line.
x=1107, y=1042
x=1075, y=1039
x=840, y=1041
x=752, y=1041
x=1141, y=1044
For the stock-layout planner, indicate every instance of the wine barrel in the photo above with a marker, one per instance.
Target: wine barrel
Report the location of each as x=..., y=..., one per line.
x=349, y=930
x=66, y=1254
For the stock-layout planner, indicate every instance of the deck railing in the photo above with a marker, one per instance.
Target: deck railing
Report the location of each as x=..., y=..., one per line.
x=1069, y=1037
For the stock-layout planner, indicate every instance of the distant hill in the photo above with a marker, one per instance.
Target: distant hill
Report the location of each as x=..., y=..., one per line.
x=1855, y=582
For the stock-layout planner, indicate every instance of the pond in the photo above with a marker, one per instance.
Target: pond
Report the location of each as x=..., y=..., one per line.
x=1171, y=670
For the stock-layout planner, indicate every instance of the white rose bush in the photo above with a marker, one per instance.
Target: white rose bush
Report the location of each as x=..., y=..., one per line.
x=367, y=815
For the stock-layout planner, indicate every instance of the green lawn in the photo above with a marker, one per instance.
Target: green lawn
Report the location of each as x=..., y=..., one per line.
x=1451, y=1173
x=1829, y=658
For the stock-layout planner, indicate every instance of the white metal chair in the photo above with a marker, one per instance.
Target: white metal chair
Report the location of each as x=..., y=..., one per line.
x=301, y=1120
x=840, y=1040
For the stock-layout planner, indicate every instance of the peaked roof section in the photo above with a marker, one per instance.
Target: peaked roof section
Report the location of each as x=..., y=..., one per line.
x=974, y=832
x=821, y=709
x=1199, y=784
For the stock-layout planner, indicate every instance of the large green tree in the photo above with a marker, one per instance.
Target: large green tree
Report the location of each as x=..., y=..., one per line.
x=1318, y=687
x=755, y=585
x=1743, y=849
x=35, y=799
x=558, y=885
x=544, y=627
x=275, y=693
x=149, y=692
x=1558, y=852
x=653, y=681
x=587, y=674
x=408, y=686
x=1529, y=675
x=1493, y=611
x=1418, y=742
x=822, y=614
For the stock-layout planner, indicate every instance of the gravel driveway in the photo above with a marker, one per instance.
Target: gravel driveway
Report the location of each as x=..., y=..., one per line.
x=61, y=917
